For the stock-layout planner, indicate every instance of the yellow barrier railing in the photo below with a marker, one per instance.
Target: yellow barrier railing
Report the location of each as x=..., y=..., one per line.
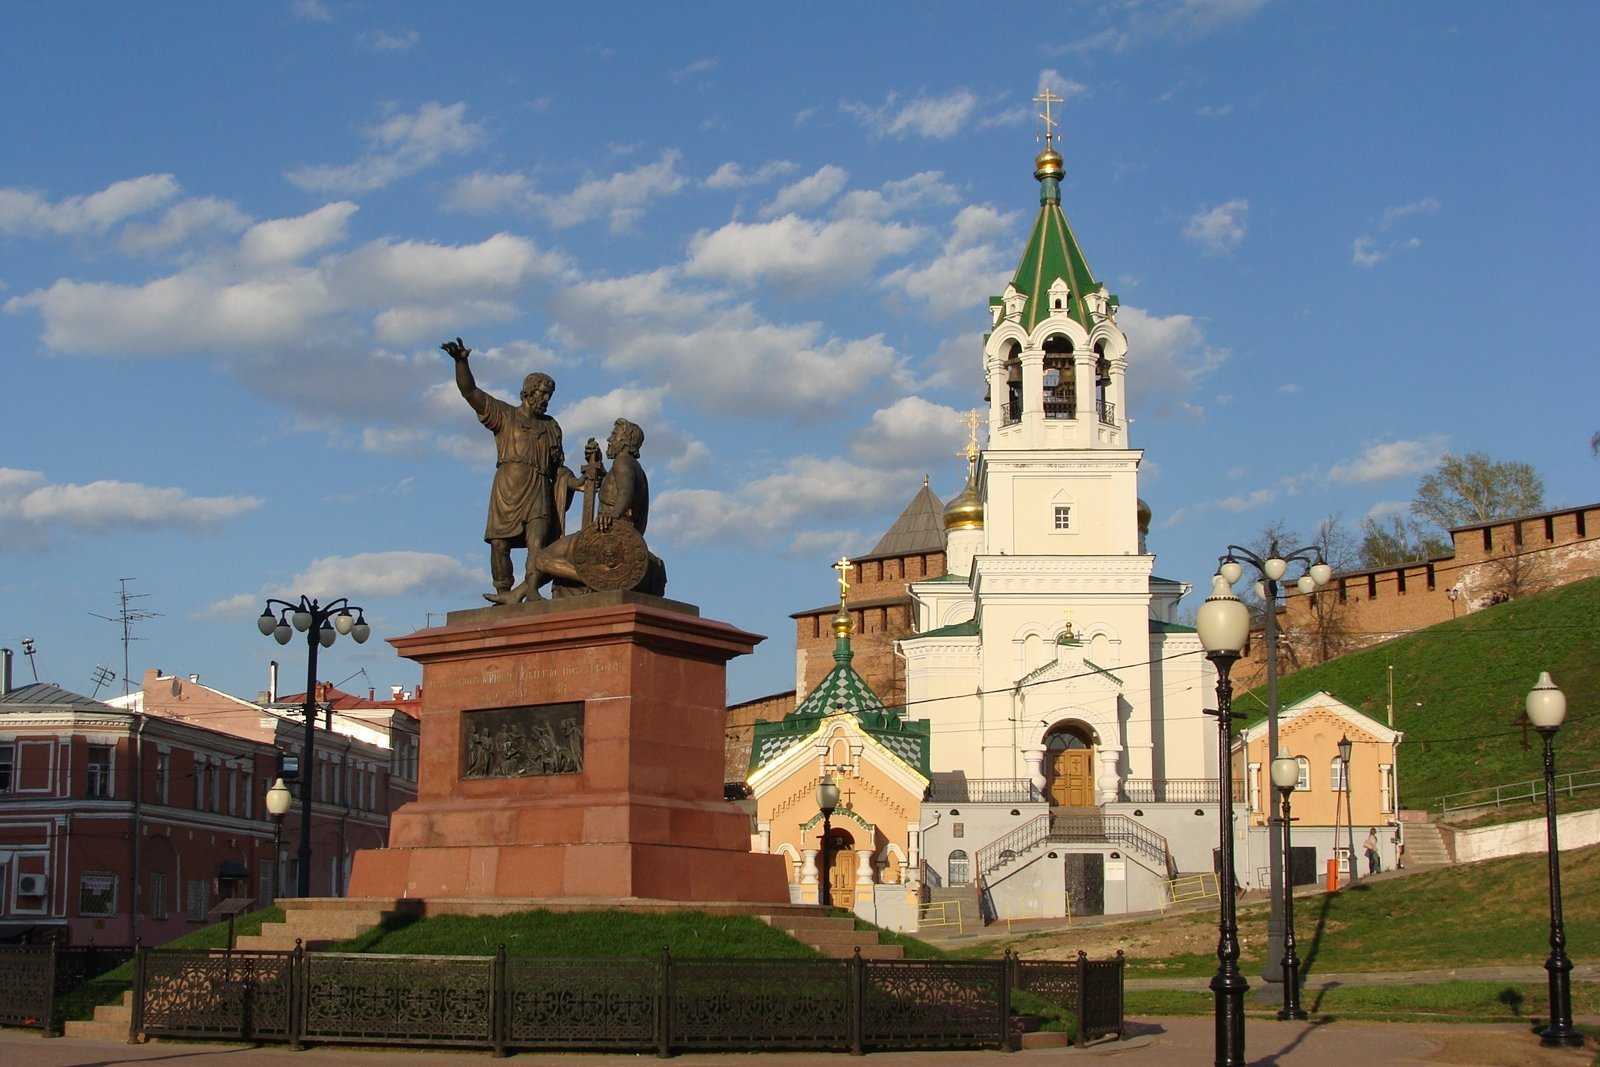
x=1193, y=887
x=937, y=913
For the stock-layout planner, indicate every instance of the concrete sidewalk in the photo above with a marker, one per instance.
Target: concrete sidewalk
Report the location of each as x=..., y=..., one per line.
x=1583, y=972
x=1150, y=1041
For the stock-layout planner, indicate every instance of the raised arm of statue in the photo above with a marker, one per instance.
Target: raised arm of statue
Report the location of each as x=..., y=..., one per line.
x=465, y=382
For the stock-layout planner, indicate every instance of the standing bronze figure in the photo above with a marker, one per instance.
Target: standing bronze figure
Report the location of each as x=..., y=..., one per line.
x=528, y=456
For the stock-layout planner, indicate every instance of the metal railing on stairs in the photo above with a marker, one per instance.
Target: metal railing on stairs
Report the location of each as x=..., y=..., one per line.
x=1119, y=830
x=1496, y=796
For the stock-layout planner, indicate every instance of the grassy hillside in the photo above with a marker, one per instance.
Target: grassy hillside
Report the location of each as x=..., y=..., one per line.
x=1471, y=675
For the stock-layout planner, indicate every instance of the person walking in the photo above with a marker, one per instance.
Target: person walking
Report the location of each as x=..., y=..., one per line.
x=1370, y=847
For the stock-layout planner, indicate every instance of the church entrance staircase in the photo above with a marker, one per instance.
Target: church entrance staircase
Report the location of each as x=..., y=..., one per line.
x=1014, y=849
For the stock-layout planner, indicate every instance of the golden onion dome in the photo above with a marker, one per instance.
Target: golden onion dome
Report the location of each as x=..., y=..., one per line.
x=841, y=622
x=1144, y=517
x=965, y=511
x=1047, y=164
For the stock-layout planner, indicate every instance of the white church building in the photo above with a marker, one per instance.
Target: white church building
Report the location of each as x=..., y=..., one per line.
x=1072, y=766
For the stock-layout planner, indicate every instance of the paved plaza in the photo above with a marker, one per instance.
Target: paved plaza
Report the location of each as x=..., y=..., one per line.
x=1167, y=1042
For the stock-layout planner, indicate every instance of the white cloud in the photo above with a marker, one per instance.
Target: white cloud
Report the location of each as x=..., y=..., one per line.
x=26, y=213
x=620, y=198
x=400, y=145
x=375, y=574
x=1383, y=460
x=291, y=239
x=826, y=544
x=181, y=222
x=704, y=65
x=957, y=362
x=732, y=176
x=1247, y=501
x=806, y=488
x=1384, y=508
x=28, y=500
x=797, y=251
x=897, y=196
x=972, y=265
x=1368, y=251
x=1133, y=24
x=1214, y=111
x=1426, y=206
x=1288, y=388
x=1219, y=229
x=809, y=192
x=238, y=606
x=909, y=432
x=593, y=416
x=311, y=11
x=738, y=361
x=1060, y=84
x=412, y=322
x=1169, y=357
x=200, y=308
x=402, y=40
x=935, y=117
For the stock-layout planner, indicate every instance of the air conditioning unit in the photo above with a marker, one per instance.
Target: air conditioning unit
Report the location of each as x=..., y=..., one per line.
x=30, y=885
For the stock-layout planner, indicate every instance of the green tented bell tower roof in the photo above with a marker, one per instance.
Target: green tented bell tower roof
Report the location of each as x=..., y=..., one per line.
x=1052, y=252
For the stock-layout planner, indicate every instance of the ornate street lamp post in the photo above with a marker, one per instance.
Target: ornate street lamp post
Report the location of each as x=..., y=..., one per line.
x=278, y=801
x=1286, y=775
x=321, y=624
x=827, y=800
x=1224, y=626
x=1345, y=745
x=1547, y=707
x=1272, y=569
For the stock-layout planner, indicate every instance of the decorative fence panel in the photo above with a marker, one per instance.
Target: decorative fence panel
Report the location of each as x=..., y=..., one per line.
x=502, y=1002
x=77, y=964
x=27, y=985
x=935, y=1004
x=412, y=1000
x=735, y=1004
x=247, y=995
x=581, y=1003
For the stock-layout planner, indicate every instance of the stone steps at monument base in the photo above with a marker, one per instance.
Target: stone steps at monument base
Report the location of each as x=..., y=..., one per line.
x=313, y=929
x=110, y=1022
x=834, y=936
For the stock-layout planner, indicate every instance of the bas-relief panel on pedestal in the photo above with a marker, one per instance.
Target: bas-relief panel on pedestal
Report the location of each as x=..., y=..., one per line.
x=522, y=742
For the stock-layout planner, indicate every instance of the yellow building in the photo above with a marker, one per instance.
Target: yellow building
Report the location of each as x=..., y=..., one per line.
x=878, y=759
x=1310, y=730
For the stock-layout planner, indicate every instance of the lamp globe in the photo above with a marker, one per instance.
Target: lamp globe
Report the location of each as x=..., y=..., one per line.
x=1546, y=705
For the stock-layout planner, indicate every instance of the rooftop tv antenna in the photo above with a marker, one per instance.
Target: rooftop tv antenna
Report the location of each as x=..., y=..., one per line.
x=102, y=677
x=127, y=615
x=28, y=649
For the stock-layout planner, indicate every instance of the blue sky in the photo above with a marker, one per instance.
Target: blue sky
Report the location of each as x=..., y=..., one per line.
x=1346, y=238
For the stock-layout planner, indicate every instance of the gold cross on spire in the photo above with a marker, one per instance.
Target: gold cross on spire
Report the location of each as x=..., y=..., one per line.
x=843, y=567
x=970, y=450
x=1046, y=97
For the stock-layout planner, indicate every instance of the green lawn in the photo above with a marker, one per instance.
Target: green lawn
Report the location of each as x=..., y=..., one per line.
x=1471, y=675
x=585, y=934
x=1444, y=1001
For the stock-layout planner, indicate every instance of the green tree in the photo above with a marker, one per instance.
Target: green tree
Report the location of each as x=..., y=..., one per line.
x=1474, y=488
x=1395, y=539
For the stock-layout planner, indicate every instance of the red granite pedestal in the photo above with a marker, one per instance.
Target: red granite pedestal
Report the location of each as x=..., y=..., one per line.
x=645, y=818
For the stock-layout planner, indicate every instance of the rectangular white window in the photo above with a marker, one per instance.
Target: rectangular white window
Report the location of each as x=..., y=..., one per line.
x=1386, y=787
x=8, y=768
x=97, y=894
x=1063, y=517
x=99, y=772
x=1255, y=787
x=158, y=895
x=1336, y=775
x=1304, y=781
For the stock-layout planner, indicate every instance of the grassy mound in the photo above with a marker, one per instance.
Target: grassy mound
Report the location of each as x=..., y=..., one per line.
x=1471, y=675
x=585, y=934
x=1478, y=914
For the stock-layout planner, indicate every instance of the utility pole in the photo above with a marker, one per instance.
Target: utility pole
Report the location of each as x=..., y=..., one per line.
x=1391, y=696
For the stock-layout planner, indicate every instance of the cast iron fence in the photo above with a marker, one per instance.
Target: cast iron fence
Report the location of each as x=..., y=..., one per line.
x=33, y=977
x=661, y=1005
x=1092, y=989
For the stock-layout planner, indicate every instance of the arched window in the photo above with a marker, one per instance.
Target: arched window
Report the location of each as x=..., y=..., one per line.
x=1062, y=740
x=1304, y=781
x=958, y=868
x=1336, y=780
x=1102, y=385
x=1013, y=409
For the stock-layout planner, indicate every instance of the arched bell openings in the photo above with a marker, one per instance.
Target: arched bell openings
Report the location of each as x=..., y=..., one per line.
x=1060, y=384
x=1011, y=374
x=1104, y=406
